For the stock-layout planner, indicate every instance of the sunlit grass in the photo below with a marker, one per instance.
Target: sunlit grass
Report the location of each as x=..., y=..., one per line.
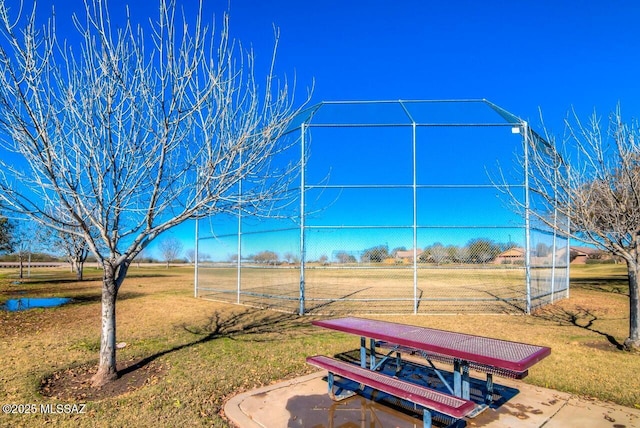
x=212, y=351
x=385, y=289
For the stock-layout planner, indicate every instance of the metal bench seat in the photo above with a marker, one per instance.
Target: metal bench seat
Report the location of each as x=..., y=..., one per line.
x=423, y=396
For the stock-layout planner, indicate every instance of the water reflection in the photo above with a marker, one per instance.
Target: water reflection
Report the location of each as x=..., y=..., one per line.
x=318, y=411
x=26, y=303
x=374, y=409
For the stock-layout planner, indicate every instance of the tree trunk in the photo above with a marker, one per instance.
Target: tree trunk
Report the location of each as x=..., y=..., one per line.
x=632, y=343
x=107, y=369
x=79, y=267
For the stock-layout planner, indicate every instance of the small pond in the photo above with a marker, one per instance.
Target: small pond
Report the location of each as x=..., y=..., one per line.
x=24, y=303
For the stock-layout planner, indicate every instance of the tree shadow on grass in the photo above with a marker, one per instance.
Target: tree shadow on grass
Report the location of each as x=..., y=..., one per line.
x=93, y=298
x=75, y=299
x=57, y=281
x=74, y=383
x=253, y=322
x=20, y=291
x=618, y=284
x=329, y=306
x=505, y=305
x=88, y=278
x=580, y=317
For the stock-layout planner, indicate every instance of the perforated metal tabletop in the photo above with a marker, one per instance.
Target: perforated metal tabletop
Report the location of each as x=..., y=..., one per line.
x=503, y=354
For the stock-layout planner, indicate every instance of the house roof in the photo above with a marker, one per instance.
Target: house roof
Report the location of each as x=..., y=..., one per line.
x=584, y=251
x=512, y=252
x=407, y=254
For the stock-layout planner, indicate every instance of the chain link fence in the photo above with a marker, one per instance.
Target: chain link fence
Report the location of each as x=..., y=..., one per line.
x=401, y=207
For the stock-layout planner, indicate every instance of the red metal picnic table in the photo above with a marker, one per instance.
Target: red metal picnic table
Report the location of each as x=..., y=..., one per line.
x=490, y=355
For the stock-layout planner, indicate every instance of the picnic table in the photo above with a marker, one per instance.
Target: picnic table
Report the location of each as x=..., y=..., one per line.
x=380, y=340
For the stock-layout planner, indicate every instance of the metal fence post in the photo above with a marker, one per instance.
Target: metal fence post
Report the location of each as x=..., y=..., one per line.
x=303, y=254
x=527, y=221
x=415, y=222
x=195, y=262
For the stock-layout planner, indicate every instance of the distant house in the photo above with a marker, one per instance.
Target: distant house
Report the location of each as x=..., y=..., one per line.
x=512, y=255
x=580, y=255
x=407, y=255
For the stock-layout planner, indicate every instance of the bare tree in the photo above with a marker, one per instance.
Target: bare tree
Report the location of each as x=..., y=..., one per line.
x=266, y=257
x=76, y=250
x=72, y=245
x=438, y=253
x=190, y=254
x=288, y=256
x=344, y=257
x=6, y=235
x=142, y=256
x=25, y=238
x=482, y=250
x=133, y=131
x=591, y=181
x=170, y=248
x=462, y=254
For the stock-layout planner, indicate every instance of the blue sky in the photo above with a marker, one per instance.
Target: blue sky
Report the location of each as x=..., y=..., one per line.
x=523, y=56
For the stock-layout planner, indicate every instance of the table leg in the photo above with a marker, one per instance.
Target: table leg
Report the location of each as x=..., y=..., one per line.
x=461, y=379
x=426, y=418
x=465, y=380
x=489, y=397
x=363, y=352
x=340, y=393
x=372, y=354
x=457, y=379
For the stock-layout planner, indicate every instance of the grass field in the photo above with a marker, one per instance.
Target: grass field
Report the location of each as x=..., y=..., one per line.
x=200, y=353
x=382, y=290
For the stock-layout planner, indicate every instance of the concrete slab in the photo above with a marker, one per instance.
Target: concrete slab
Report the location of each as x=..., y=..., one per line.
x=304, y=403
